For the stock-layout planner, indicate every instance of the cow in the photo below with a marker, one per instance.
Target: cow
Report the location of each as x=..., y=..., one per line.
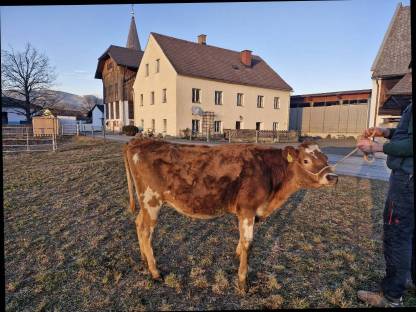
x=200, y=181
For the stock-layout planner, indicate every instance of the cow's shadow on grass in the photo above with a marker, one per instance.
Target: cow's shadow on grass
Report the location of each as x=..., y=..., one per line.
x=182, y=244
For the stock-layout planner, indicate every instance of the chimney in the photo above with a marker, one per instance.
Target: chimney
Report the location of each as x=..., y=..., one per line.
x=202, y=39
x=245, y=57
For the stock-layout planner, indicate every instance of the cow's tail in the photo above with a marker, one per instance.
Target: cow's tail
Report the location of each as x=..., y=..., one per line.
x=130, y=183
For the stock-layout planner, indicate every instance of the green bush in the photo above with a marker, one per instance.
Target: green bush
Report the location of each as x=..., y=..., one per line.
x=130, y=130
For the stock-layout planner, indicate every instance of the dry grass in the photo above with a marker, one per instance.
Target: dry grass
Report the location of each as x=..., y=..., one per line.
x=71, y=245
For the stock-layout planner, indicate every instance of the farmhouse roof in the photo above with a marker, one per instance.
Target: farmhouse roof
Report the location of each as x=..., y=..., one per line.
x=210, y=62
x=7, y=101
x=403, y=87
x=122, y=56
x=394, y=55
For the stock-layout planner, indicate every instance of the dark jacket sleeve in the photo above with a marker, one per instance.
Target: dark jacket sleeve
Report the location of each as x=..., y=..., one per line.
x=402, y=148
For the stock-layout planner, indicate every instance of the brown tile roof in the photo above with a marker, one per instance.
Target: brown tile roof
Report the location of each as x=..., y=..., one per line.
x=394, y=54
x=210, y=62
x=122, y=56
x=403, y=87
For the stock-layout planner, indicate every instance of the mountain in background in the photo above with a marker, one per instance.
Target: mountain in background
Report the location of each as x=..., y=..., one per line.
x=64, y=100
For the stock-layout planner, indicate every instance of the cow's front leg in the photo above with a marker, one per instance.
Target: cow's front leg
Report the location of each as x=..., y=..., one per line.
x=246, y=236
x=145, y=227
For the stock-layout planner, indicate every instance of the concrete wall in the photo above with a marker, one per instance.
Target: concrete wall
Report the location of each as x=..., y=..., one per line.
x=334, y=120
x=155, y=82
x=228, y=113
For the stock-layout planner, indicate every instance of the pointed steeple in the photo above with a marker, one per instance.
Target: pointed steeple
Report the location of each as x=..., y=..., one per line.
x=133, y=39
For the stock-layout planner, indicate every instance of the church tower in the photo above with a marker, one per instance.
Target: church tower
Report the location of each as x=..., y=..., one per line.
x=133, y=39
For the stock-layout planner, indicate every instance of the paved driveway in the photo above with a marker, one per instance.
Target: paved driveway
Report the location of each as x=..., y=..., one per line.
x=352, y=166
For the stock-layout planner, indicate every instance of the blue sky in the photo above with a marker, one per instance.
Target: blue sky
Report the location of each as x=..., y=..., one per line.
x=316, y=46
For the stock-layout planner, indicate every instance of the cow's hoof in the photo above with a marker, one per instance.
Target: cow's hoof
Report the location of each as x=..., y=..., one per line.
x=242, y=286
x=157, y=277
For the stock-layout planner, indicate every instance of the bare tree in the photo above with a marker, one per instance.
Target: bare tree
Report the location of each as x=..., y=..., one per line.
x=28, y=75
x=89, y=102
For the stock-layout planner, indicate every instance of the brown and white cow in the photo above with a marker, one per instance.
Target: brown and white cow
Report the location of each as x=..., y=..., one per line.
x=204, y=182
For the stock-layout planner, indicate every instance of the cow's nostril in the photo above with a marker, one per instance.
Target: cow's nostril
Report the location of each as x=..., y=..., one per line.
x=332, y=177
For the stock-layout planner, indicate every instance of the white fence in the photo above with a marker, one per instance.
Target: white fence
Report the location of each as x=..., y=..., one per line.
x=21, y=139
x=77, y=129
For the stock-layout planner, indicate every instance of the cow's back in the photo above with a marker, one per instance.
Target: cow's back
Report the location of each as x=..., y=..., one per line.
x=198, y=179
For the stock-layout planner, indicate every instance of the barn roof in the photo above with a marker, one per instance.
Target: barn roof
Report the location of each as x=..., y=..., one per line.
x=210, y=62
x=403, y=87
x=394, y=55
x=122, y=56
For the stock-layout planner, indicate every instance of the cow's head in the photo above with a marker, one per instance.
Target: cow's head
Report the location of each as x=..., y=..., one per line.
x=310, y=165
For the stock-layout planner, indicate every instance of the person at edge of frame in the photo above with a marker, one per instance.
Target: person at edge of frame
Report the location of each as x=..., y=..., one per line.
x=399, y=212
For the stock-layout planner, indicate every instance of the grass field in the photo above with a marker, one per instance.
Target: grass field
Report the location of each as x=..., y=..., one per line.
x=71, y=244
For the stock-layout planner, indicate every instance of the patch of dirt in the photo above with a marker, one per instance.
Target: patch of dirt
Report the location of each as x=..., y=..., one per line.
x=71, y=243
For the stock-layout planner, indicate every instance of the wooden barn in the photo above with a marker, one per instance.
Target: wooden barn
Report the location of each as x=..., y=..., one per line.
x=117, y=68
x=342, y=113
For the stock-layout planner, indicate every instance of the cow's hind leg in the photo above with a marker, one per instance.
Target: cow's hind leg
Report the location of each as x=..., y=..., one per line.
x=246, y=236
x=145, y=225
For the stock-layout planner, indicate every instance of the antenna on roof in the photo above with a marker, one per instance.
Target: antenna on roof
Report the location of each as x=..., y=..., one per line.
x=132, y=10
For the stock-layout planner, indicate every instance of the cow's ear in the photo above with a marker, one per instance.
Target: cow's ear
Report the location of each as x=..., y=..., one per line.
x=290, y=153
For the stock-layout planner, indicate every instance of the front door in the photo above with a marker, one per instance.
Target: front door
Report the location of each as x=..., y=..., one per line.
x=238, y=125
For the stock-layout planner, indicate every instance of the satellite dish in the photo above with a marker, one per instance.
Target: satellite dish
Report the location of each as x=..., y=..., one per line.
x=196, y=110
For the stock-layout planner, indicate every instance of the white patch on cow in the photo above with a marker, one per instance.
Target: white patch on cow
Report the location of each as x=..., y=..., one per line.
x=260, y=210
x=311, y=150
x=248, y=232
x=136, y=158
x=147, y=197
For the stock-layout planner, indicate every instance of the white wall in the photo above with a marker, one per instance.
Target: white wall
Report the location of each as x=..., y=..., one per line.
x=67, y=120
x=12, y=115
x=96, y=116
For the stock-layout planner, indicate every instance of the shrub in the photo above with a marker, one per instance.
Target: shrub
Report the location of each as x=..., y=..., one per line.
x=130, y=130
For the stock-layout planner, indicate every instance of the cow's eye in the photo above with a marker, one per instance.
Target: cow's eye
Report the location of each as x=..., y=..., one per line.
x=305, y=161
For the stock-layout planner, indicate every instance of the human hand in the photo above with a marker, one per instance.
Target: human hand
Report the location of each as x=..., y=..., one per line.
x=367, y=146
x=376, y=132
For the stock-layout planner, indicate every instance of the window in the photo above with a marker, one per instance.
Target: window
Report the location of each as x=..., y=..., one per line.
x=152, y=98
x=195, y=125
x=258, y=125
x=157, y=65
x=276, y=102
x=107, y=115
x=345, y=102
x=353, y=101
x=196, y=95
x=218, y=97
x=239, y=99
x=109, y=65
x=147, y=70
x=363, y=101
x=110, y=110
x=116, y=91
x=141, y=99
x=317, y=104
x=217, y=126
x=260, y=101
x=238, y=125
x=153, y=124
x=131, y=110
x=164, y=96
x=117, y=110
x=275, y=126
x=165, y=125
x=142, y=123
x=331, y=103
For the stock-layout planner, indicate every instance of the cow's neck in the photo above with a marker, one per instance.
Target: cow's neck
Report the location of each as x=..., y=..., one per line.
x=279, y=196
